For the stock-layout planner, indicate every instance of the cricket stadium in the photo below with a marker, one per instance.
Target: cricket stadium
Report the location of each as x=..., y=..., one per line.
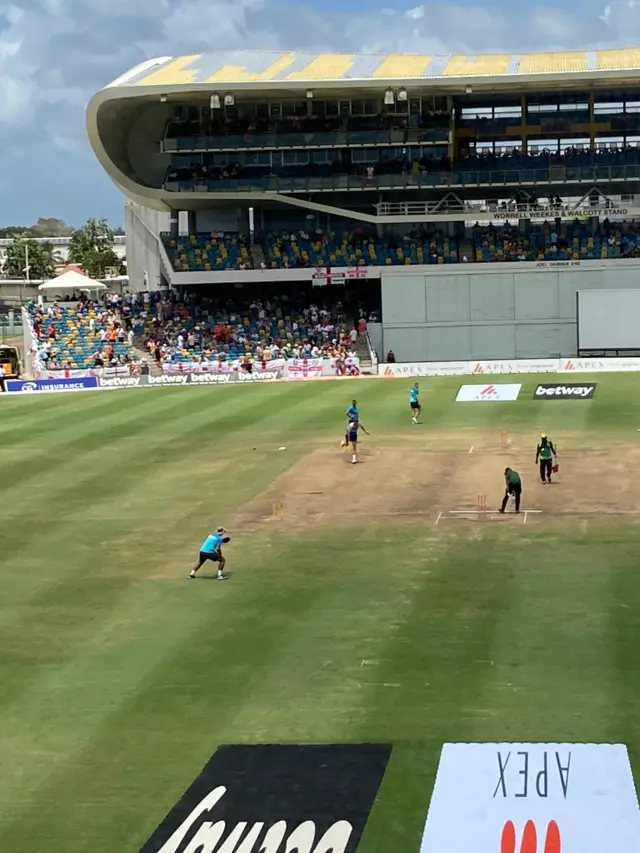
x=435, y=261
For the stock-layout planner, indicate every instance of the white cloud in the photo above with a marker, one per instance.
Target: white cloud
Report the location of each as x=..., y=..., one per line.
x=54, y=54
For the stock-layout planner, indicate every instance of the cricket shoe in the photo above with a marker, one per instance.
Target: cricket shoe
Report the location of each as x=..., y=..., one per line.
x=222, y=577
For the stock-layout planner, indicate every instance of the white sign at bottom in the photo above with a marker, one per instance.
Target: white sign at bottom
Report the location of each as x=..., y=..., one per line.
x=512, y=797
x=490, y=392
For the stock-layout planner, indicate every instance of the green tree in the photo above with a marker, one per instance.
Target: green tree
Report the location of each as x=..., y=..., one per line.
x=25, y=252
x=51, y=227
x=44, y=227
x=92, y=248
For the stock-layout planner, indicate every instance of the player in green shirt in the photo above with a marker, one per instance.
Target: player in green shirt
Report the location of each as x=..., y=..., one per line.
x=514, y=487
x=544, y=455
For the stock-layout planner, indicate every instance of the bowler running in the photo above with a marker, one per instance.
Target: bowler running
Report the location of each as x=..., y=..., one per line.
x=545, y=452
x=352, y=436
x=514, y=488
x=414, y=402
x=211, y=549
x=353, y=416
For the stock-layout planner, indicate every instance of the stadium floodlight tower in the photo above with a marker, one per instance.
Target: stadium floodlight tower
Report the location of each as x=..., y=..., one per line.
x=258, y=141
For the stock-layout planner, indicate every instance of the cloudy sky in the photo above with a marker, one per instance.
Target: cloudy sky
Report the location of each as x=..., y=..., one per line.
x=54, y=54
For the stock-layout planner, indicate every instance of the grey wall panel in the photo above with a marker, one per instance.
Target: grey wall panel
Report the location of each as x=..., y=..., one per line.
x=502, y=312
x=545, y=340
x=404, y=299
x=408, y=344
x=617, y=278
x=448, y=299
x=449, y=343
x=492, y=297
x=536, y=296
x=493, y=341
x=568, y=285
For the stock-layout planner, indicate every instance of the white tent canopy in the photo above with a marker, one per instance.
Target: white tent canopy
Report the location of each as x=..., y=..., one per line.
x=72, y=279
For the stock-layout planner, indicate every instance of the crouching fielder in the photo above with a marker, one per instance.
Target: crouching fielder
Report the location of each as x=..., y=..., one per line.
x=352, y=438
x=514, y=487
x=211, y=549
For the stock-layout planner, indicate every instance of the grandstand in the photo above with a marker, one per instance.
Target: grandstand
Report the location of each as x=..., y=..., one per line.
x=248, y=167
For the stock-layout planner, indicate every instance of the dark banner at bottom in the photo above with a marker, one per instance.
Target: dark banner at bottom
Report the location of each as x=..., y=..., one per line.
x=268, y=799
x=179, y=379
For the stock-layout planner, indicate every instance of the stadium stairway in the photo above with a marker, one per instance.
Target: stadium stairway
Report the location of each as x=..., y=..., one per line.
x=143, y=355
x=257, y=256
x=466, y=249
x=362, y=351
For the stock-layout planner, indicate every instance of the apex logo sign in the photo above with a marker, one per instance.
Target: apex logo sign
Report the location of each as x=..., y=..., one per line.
x=564, y=392
x=530, y=837
x=272, y=799
x=495, y=392
x=532, y=798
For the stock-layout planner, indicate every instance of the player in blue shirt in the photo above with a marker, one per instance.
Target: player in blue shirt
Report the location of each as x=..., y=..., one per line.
x=414, y=402
x=352, y=436
x=353, y=416
x=211, y=549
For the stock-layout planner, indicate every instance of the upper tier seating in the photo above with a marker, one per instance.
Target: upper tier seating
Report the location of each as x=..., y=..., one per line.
x=573, y=241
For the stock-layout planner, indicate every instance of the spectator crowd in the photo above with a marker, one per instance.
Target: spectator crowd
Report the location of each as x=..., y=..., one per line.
x=173, y=329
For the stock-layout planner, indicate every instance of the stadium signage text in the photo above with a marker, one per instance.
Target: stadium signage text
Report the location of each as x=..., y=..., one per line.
x=311, y=799
x=564, y=392
x=494, y=368
x=181, y=379
x=490, y=393
x=567, y=796
x=567, y=212
x=31, y=386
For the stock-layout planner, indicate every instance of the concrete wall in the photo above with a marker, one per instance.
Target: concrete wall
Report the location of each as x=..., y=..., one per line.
x=143, y=149
x=143, y=225
x=490, y=311
x=229, y=219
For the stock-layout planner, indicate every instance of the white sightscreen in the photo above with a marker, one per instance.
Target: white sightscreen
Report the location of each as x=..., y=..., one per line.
x=608, y=319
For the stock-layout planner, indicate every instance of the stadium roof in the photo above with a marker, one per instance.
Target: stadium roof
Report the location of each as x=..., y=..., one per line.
x=262, y=68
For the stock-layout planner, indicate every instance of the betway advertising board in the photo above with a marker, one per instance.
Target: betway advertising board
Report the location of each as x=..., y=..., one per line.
x=533, y=797
x=181, y=379
x=276, y=799
x=494, y=368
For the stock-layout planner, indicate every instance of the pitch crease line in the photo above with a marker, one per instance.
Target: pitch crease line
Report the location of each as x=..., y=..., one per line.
x=488, y=512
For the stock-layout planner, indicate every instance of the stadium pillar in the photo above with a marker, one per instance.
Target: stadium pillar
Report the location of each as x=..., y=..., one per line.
x=173, y=223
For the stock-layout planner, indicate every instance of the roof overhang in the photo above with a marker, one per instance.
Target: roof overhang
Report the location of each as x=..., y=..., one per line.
x=293, y=72
x=327, y=88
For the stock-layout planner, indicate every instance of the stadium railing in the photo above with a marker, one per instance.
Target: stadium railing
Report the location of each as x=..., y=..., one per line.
x=338, y=182
x=334, y=139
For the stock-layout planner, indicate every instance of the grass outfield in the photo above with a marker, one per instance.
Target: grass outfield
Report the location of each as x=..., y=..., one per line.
x=349, y=617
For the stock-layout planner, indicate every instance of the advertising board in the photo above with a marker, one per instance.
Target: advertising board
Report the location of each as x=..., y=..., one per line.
x=491, y=393
x=34, y=386
x=271, y=799
x=181, y=379
x=569, y=391
x=532, y=796
x=515, y=366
